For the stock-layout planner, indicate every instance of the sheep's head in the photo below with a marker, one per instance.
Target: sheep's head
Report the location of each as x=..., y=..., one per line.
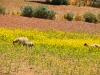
x=15, y=41
x=85, y=44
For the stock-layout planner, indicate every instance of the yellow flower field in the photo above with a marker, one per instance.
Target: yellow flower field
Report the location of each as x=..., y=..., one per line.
x=57, y=52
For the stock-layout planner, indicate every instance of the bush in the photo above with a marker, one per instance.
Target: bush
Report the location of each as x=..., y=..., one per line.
x=98, y=17
x=44, y=12
x=2, y=10
x=27, y=11
x=79, y=17
x=96, y=3
x=48, y=1
x=69, y=16
x=60, y=2
x=65, y=2
x=57, y=2
x=52, y=14
x=90, y=17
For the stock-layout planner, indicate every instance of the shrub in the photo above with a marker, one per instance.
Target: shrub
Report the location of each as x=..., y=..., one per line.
x=96, y=3
x=13, y=13
x=27, y=11
x=52, y=14
x=69, y=16
x=90, y=17
x=60, y=2
x=2, y=10
x=48, y=1
x=79, y=17
x=57, y=2
x=65, y=2
x=99, y=16
x=44, y=12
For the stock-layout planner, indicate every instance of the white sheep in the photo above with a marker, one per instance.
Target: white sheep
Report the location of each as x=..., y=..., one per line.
x=20, y=40
x=30, y=44
x=24, y=41
x=92, y=45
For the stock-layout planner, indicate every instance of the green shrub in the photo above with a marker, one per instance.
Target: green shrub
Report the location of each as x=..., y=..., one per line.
x=44, y=12
x=65, y=2
x=96, y=3
x=48, y=1
x=60, y=2
x=2, y=10
x=52, y=14
x=57, y=2
x=90, y=17
x=27, y=11
x=69, y=16
x=99, y=16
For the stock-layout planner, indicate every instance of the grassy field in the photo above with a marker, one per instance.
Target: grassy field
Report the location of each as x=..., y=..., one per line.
x=57, y=52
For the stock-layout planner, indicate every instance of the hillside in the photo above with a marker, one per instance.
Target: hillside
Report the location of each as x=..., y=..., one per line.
x=43, y=24
x=59, y=23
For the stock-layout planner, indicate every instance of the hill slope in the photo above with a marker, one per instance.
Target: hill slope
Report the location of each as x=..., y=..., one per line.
x=43, y=24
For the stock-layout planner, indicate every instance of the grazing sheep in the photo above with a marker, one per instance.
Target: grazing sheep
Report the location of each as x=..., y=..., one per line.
x=92, y=45
x=20, y=40
x=30, y=44
x=24, y=41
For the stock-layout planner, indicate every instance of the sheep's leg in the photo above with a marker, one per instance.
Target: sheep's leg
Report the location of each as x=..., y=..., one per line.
x=98, y=49
x=31, y=47
x=90, y=49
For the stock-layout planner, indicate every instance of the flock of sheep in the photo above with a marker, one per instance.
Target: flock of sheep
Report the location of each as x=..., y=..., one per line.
x=25, y=42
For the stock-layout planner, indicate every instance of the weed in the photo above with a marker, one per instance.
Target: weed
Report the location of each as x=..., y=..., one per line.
x=69, y=16
x=2, y=10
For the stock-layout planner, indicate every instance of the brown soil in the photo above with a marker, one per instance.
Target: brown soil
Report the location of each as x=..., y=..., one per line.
x=43, y=24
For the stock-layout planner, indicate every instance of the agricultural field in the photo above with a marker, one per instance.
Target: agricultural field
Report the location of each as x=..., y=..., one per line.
x=54, y=53
x=58, y=44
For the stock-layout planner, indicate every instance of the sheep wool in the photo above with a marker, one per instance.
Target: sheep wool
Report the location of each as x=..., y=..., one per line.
x=20, y=40
x=92, y=45
x=30, y=44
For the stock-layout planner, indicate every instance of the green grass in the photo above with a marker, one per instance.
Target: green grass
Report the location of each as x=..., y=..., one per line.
x=57, y=52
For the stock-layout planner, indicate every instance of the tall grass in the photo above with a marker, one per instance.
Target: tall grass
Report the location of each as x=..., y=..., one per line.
x=54, y=53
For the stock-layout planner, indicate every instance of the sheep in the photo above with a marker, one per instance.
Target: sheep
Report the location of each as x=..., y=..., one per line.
x=92, y=45
x=30, y=44
x=20, y=40
x=24, y=41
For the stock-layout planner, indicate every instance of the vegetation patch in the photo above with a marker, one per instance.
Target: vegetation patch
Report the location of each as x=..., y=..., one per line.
x=57, y=52
x=2, y=10
x=69, y=16
x=60, y=2
x=27, y=11
x=44, y=12
x=90, y=17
